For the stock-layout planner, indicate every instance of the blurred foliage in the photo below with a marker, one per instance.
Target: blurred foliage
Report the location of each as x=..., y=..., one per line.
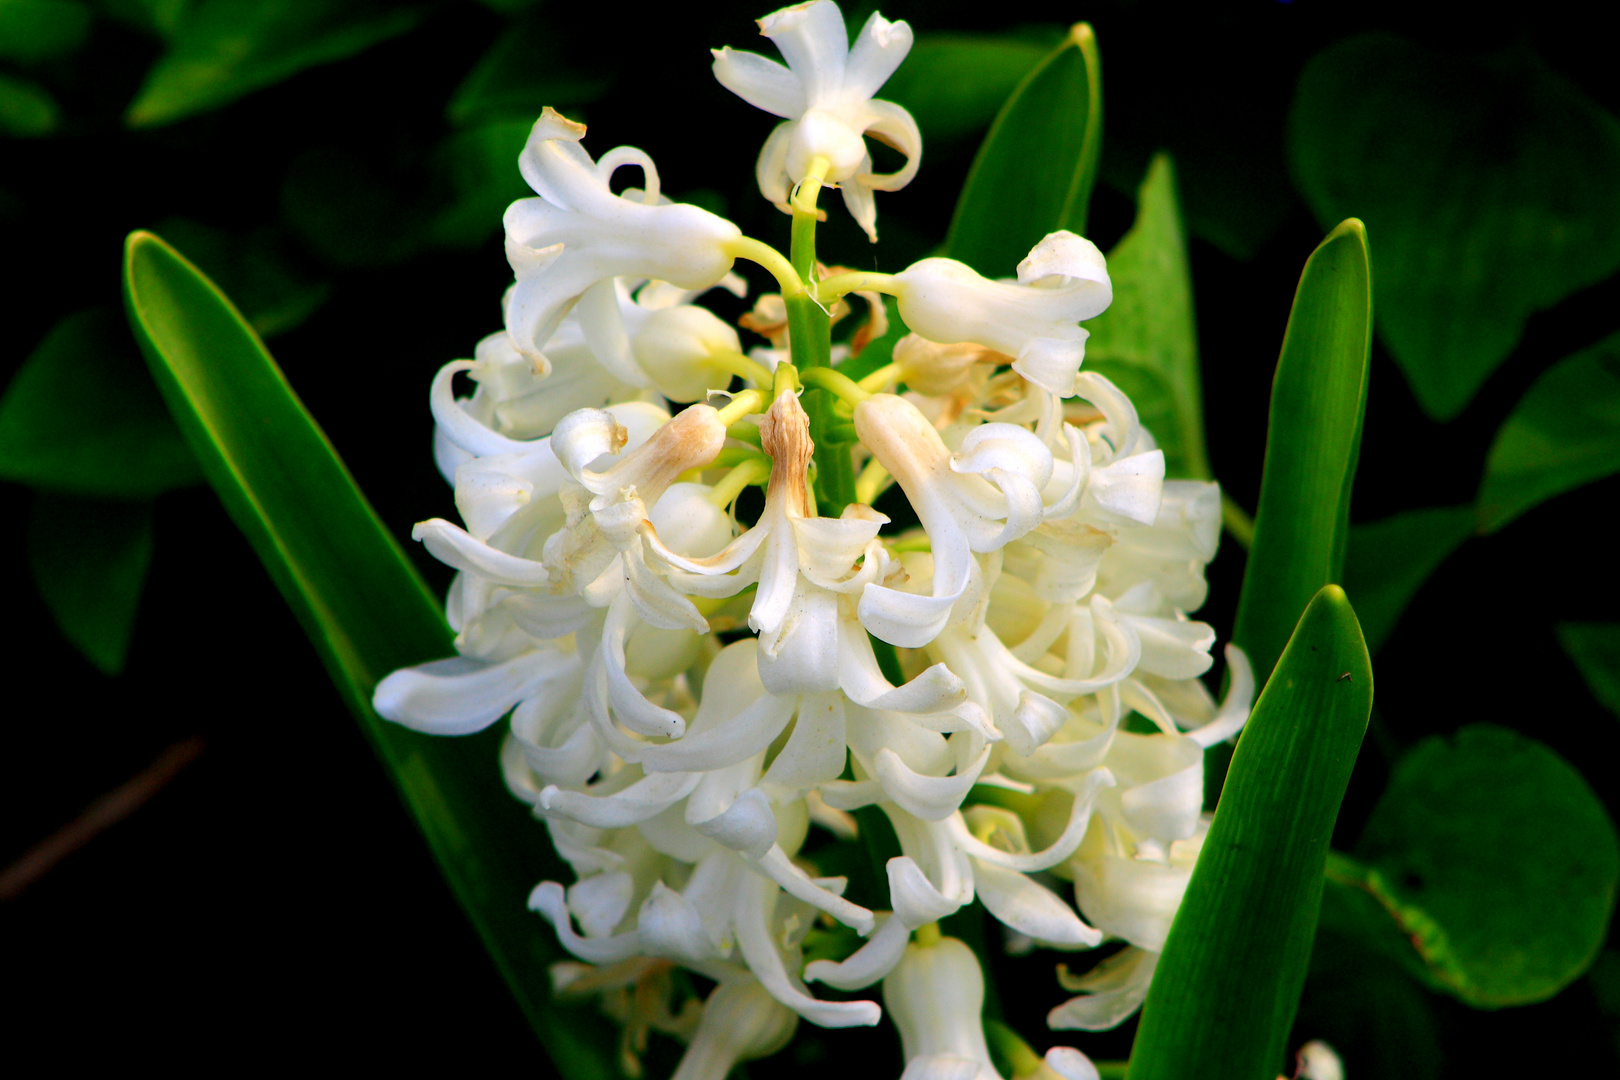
x=340, y=168
x=1595, y=648
x=90, y=557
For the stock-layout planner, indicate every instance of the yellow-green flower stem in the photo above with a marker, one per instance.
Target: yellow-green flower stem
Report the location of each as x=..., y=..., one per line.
x=836, y=383
x=881, y=380
x=741, y=366
x=871, y=483
x=789, y=280
x=810, y=336
x=756, y=470
x=927, y=935
x=1012, y=1049
x=748, y=401
x=744, y=433
x=856, y=281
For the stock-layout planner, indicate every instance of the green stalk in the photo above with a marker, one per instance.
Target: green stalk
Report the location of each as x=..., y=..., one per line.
x=810, y=335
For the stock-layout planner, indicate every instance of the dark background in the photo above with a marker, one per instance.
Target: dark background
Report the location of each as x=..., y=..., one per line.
x=273, y=902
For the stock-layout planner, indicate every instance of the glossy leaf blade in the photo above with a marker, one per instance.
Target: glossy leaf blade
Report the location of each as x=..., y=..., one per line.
x=1313, y=440
x=1563, y=433
x=1489, y=183
x=362, y=605
x=82, y=417
x=1388, y=562
x=1227, y=986
x=1147, y=340
x=1595, y=648
x=1036, y=169
x=1491, y=856
x=89, y=559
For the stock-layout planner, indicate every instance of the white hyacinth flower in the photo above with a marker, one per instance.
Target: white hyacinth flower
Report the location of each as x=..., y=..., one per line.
x=740, y=1022
x=825, y=96
x=693, y=684
x=568, y=245
x=1062, y=282
x=935, y=996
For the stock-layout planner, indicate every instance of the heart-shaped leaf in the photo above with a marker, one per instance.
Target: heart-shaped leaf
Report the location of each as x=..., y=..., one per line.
x=1489, y=184
x=1495, y=862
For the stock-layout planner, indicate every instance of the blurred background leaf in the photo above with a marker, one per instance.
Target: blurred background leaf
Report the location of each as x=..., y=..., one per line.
x=32, y=31
x=1146, y=341
x=81, y=416
x=223, y=49
x=1489, y=185
x=257, y=270
x=1563, y=433
x=89, y=559
x=1495, y=860
x=530, y=66
x=27, y=110
x=1388, y=561
x=1595, y=648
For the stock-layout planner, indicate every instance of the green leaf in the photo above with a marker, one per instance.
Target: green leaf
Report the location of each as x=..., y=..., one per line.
x=89, y=559
x=32, y=31
x=1388, y=562
x=1313, y=439
x=256, y=269
x=1595, y=648
x=1489, y=184
x=1035, y=171
x=364, y=608
x=1224, y=995
x=529, y=67
x=954, y=84
x=1149, y=327
x=1563, y=433
x=224, y=49
x=82, y=416
x=27, y=109
x=1495, y=861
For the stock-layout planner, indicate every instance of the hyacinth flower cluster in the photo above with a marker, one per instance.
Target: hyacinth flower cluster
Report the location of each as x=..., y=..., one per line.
x=1000, y=664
